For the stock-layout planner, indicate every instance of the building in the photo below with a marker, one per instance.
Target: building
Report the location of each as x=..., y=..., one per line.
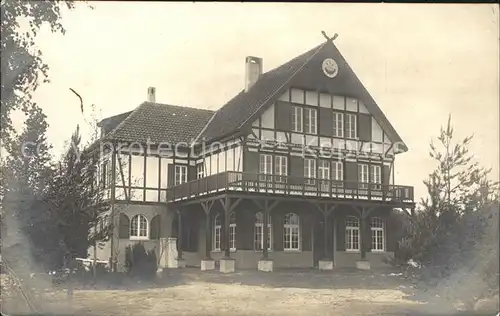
x=303, y=150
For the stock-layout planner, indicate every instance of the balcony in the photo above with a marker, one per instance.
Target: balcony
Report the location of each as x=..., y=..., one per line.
x=231, y=181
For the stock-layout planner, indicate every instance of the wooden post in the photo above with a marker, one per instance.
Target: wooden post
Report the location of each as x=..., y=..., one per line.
x=362, y=236
x=179, y=234
x=363, y=212
x=265, y=232
x=207, y=207
x=226, y=233
x=325, y=228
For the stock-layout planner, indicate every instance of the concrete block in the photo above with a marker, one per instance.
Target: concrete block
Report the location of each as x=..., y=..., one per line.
x=226, y=265
x=325, y=265
x=363, y=264
x=265, y=265
x=207, y=265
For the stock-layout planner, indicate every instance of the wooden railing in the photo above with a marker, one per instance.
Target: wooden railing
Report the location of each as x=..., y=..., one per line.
x=288, y=185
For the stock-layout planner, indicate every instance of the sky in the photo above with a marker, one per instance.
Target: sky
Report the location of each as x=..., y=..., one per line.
x=420, y=62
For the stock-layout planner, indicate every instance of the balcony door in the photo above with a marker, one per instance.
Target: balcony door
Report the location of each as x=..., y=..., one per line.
x=266, y=167
x=324, y=175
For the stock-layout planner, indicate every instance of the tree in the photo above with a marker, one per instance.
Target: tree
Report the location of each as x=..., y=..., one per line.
x=22, y=64
x=76, y=201
x=25, y=171
x=455, y=229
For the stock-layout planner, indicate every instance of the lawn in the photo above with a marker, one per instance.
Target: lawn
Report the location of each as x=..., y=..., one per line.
x=306, y=292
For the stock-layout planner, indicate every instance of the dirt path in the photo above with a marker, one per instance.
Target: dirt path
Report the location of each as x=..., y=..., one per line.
x=253, y=293
x=192, y=292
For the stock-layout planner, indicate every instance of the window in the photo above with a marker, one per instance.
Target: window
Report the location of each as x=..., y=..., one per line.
x=351, y=128
x=351, y=233
x=310, y=171
x=324, y=169
x=139, y=227
x=375, y=176
x=338, y=172
x=338, y=124
x=280, y=168
x=363, y=176
x=259, y=232
x=106, y=174
x=232, y=232
x=265, y=167
x=310, y=121
x=297, y=119
x=291, y=232
x=180, y=174
x=324, y=174
x=377, y=228
x=217, y=233
x=200, y=171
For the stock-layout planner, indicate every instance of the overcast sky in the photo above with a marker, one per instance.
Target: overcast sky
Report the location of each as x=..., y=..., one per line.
x=419, y=62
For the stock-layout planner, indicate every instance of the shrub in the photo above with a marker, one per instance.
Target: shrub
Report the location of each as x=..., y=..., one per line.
x=140, y=263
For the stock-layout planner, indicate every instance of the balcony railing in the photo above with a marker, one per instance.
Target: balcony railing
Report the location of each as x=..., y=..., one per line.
x=287, y=185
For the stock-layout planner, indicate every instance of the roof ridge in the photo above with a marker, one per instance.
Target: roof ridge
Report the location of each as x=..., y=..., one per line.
x=318, y=48
x=205, y=127
x=134, y=111
x=177, y=106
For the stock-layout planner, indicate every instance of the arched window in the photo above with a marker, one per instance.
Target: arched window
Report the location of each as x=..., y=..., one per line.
x=139, y=227
x=377, y=228
x=232, y=232
x=216, y=233
x=259, y=232
x=291, y=240
x=351, y=233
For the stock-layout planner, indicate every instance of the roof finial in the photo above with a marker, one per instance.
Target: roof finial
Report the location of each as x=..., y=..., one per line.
x=329, y=38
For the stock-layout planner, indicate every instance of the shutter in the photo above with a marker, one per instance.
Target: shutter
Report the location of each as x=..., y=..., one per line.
x=364, y=127
x=283, y=116
x=386, y=174
x=392, y=231
x=351, y=175
x=345, y=124
x=170, y=175
x=251, y=165
x=306, y=231
x=195, y=231
x=191, y=173
x=340, y=231
x=296, y=170
x=325, y=122
x=243, y=235
x=278, y=220
x=155, y=228
x=124, y=225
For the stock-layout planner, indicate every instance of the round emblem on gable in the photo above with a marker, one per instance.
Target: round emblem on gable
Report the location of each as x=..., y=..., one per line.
x=330, y=67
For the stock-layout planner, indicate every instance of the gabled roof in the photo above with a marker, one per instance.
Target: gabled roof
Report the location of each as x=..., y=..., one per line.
x=244, y=105
x=304, y=71
x=110, y=123
x=157, y=123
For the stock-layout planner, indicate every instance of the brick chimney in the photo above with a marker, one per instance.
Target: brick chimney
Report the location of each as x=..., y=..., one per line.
x=152, y=94
x=253, y=70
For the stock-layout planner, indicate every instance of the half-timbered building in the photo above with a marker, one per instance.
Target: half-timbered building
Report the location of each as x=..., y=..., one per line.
x=296, y=170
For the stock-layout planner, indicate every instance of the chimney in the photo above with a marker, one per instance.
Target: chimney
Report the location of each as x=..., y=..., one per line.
x=152, y=94
x=253, y=71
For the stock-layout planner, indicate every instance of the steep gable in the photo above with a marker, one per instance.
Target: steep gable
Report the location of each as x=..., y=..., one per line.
x=304, y=71
x=244, y=105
